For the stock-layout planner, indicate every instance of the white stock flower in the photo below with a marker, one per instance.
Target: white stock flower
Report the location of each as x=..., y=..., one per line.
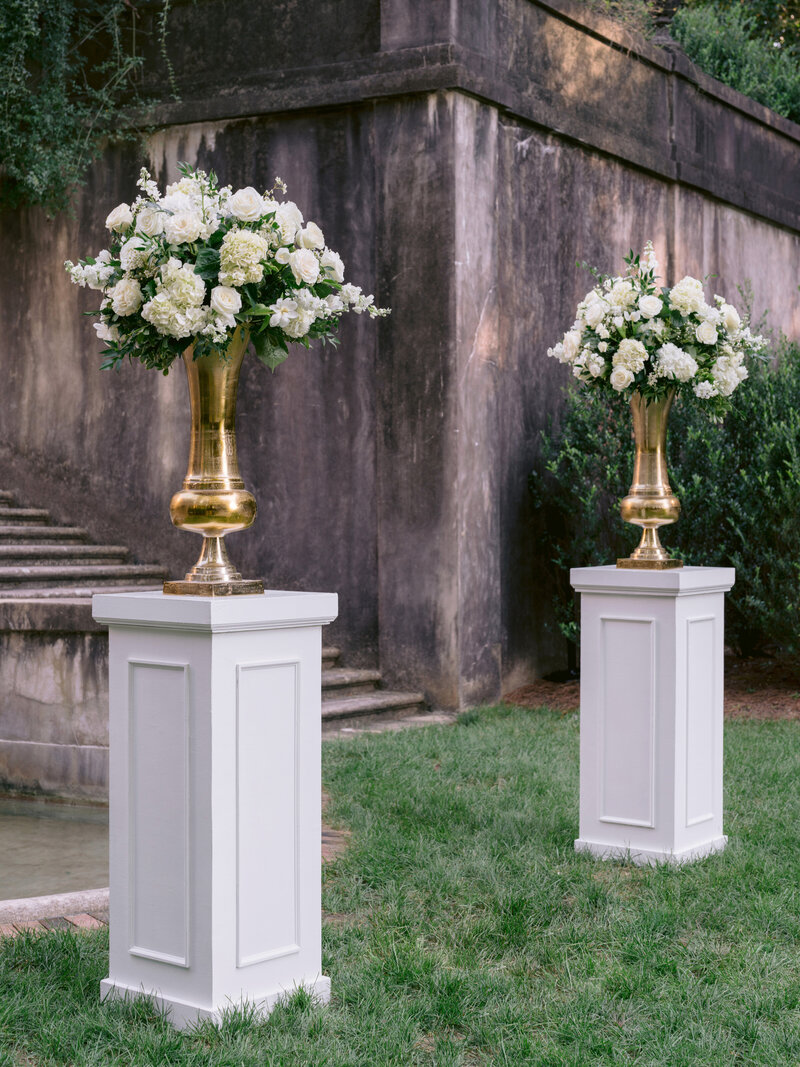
x=183, y=227
x=332, y=266
x=621, y=378
x=126, y=296
x=631, y=354
x=650, y=306
x=305, y=266
x=247, y=205
x=595, y=365
x=730, y=318
x=311, y=236
x=97, y=275
x=299, y=326
x=673, y=362
x=150, y=221
x=121, y=218
x=289, y=220
x=283, y=312
x=334, y=303
x=706, y=333
x=687, y=296
x=225, y=301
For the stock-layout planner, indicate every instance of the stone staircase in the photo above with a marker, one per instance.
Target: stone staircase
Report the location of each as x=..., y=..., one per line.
x=40, y=559
x=45, y=562
x=352, y=694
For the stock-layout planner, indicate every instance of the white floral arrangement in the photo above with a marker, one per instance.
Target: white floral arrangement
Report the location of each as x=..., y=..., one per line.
x=631, y=336
x=188, y=267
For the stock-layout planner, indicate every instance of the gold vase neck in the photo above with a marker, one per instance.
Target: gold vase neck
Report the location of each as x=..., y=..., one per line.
x=213, y=383
x=650, y=434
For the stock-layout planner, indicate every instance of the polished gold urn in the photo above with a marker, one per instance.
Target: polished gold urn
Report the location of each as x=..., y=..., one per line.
x=213, y=501
x=650, y=502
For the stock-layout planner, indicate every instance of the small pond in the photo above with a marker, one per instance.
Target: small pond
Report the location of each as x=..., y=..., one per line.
x=48, y=847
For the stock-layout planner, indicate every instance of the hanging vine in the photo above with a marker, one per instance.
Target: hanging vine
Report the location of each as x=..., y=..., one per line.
x=67, y=70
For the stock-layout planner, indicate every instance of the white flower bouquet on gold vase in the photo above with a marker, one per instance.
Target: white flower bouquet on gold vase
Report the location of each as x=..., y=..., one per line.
x=199, y=273
x=650, y=344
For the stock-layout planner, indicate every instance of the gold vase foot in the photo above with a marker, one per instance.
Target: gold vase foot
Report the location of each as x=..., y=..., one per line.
x=213, y=575
x=648, y=564
x=649, y=554
x=249, y=587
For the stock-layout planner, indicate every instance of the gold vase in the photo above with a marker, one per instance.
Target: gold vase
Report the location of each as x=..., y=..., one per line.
x=650, y=502
x=214, y=501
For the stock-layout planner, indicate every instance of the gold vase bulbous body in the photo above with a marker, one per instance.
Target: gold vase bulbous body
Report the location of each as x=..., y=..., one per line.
x=213, y=501
x=650, y=502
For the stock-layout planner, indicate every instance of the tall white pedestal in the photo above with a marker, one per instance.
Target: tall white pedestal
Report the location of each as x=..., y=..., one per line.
x=651, y=712
x=215, y=798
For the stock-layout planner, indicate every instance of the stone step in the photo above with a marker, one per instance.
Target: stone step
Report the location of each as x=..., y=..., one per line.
x=6, y=499
x=24, y=516
x=92, y=577
x=42, y=555
x=382, y=700
x=329, y=657
x=78, y=593
x=34, y=535
x=340, y=681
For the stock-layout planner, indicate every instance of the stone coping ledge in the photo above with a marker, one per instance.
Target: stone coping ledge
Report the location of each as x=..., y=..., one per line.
x=49, y=615
x=27, y=909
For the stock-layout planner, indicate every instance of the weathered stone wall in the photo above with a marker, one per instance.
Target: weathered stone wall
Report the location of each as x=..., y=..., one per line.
x=461, y=156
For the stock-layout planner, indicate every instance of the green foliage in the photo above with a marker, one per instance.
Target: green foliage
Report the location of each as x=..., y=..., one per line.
x=726, y=42
x=739, y=486
x=66, y=67
x=775, y=21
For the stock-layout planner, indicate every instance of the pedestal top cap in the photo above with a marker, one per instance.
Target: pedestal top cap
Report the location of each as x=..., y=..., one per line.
x=683, y=581
x=273, y=608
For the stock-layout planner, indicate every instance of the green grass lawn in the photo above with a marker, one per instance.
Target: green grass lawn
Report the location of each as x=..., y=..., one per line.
x=463, y=929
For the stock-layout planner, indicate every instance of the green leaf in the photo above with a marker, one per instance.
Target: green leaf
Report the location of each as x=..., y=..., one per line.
x=268, y=351
x=207, y=265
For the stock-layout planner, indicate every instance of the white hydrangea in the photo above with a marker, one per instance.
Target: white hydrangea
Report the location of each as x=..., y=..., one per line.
x=241, y=257
x=622, y=295
x=673, y=362
x=704, y=390
x=185, y=288
x=631, y=354
x=133, y=254
x=727, y=373
x=687, y=296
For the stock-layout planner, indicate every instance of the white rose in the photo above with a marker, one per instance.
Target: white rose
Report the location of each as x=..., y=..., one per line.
x=571, y=344
x=120, y=218
x=621, y=378
x=247, y=204
x=183, y=228
x=706, y=333
x=595, y=312
x=331, y=263
x=282, y=256
x=305, y=266
x=225, y=301
x=150, y=221
x=311, y=237
x=126, y=296
x=650, y=306
x=289, y=220
x=105, y=332
x=730, y=318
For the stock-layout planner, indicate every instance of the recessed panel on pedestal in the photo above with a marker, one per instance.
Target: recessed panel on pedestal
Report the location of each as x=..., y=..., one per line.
x=267, y=701
x=627, y=715
x=700, y=714
x=159, y=811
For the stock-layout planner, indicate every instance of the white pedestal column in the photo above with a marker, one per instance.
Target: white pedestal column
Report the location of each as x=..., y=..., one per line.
x=215, y=798
x=651, y=712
